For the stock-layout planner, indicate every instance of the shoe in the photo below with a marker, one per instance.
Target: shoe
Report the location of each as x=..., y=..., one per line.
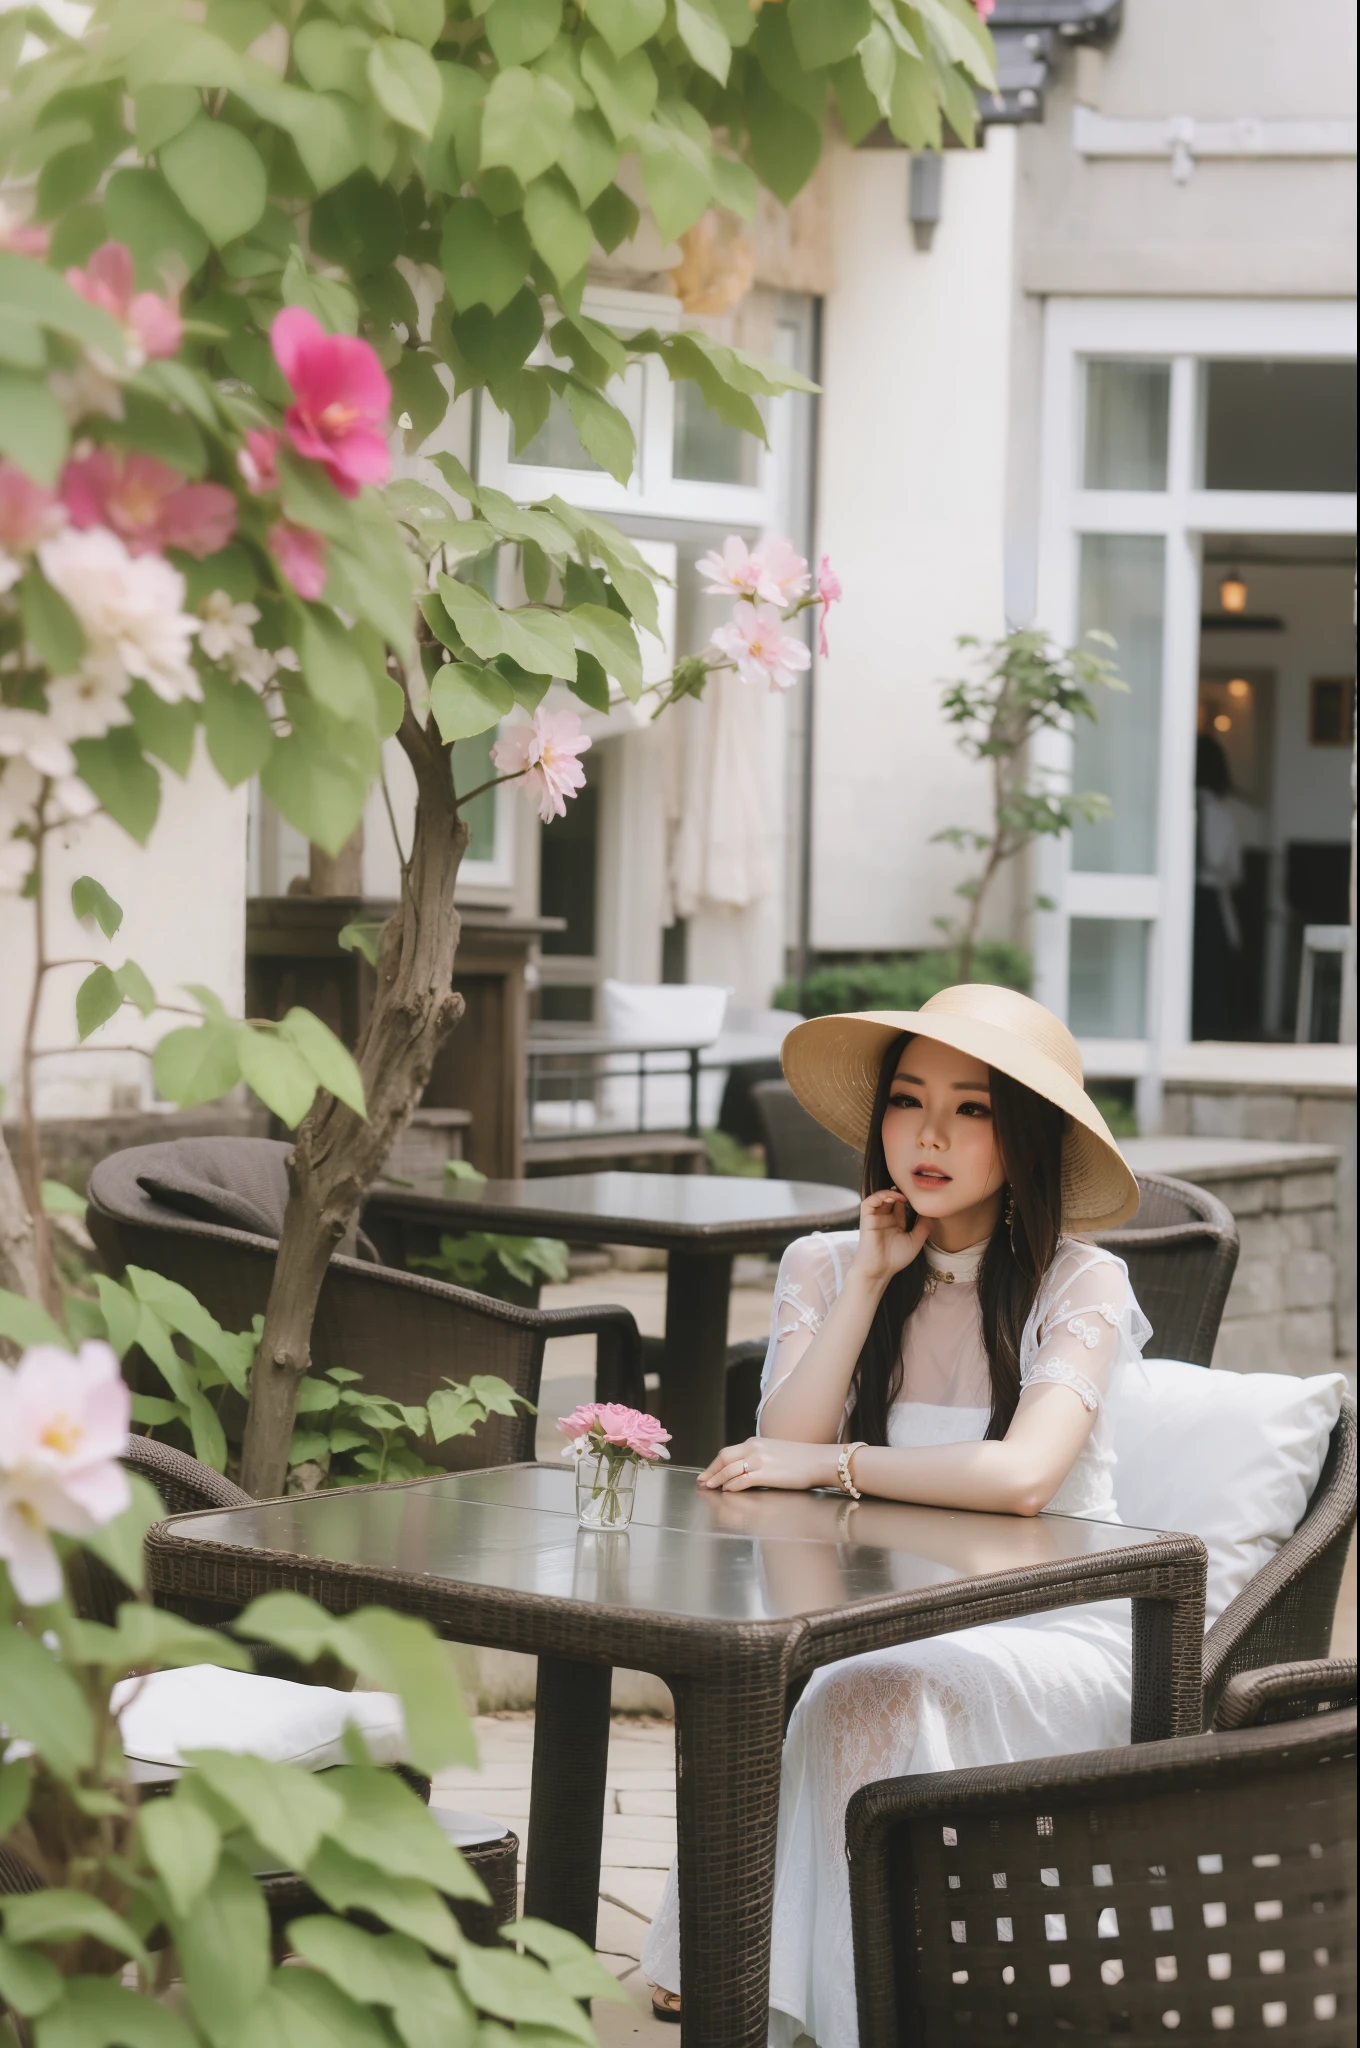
x=666, y=2005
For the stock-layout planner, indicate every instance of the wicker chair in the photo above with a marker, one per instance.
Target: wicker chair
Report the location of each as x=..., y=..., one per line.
x=1203, y=1887
x=401, y=1332
x=797, y=1147
x=1181, y=1252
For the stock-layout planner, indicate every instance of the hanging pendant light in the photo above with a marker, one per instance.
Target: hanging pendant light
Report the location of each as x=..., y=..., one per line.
x=1232, y=592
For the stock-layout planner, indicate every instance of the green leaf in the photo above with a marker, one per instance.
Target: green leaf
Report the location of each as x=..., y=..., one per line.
x=60, y=1914
x=125, y=782
x=624, y=87
x=965, y=38
x=360, y=938
x=702, y=34
x=676, y=173
x=406, y=1903
x=33, y=431
x=302, y=2009
x=332, y=1063
x=420, y=392
x=735, y=184
x=150, y=1638
x=626, y=24
x=50, y=624
x=514, y=1988
x=182, y=1312
x=237, y=729
x=95, y=2013
x=325, y=298
x=90, y=898
x=277, y=1072
x=165, y=730
x=41, y=1703
x=421, y=20
x=592, y=684
x=557, y=226
x=120, y=1544
x=332, y=56
x=825, y=31
x=142, y=211
x=218, y=178
x=27, y=286
x=59, y=1200
x=224, y=1947
x=97, y=999
x=786, y=142
x=540, y=641
x=286, y=1810
x=467, y=701
x=604, y=431
x=135, y=988
x=613, y=642
x=524, y=122
x=574, y=1966
x=913, y=110
x=160, y=111
x=118, y=1306
x=614, y=218
x=318, y=776
x=28, y=1982
x=520, y=30
x=406, y=83
x=182, y=1846
x=860, y=112
x=589, y=156
x=196, y=1064
x=333, y=665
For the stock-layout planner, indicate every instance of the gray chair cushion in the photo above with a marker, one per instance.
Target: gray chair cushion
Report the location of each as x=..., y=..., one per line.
x=239, y=1182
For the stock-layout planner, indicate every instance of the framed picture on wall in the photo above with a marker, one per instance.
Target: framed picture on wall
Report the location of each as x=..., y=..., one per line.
x=1331, y=711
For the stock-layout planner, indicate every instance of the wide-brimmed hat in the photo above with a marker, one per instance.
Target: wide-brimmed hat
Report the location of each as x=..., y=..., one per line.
x=832, y=1065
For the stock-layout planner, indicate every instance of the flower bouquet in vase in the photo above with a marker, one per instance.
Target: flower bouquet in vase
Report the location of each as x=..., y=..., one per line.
x=609, y=1442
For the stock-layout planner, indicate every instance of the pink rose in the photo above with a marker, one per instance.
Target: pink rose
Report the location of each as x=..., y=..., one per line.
x=597, y=1423
x=147, y=504
x=760, y=650
x=29, y=512
x=300, y=553
x=830, y=592
x=152, y=322
x=258, y=460
x=773, y=572
x=341, y=399
x=545, y=753
x=63, y=1426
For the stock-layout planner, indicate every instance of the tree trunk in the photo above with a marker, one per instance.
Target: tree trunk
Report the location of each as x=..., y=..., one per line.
x=339, y=874
x=19, y=1271
x=338, y=1155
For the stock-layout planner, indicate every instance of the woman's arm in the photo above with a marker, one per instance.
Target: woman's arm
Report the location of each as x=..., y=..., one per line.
x=805, y=1401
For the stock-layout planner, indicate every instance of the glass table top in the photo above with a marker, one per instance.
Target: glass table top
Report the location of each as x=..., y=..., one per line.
x=757, y=1556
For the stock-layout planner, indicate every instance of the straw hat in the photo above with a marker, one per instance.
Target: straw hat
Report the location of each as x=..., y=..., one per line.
x=832, y=1065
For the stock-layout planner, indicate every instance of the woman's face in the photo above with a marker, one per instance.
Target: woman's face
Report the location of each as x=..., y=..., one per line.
x=939, y=1137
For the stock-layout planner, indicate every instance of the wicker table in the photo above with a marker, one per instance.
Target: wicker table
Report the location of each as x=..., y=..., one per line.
x=732, y=1599
x=701, y=1221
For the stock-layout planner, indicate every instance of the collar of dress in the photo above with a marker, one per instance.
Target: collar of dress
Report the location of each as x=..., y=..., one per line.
x=948, y=1269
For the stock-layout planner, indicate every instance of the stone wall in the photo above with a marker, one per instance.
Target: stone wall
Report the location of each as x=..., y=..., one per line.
x=1280, y=1314
x=1304, y=1113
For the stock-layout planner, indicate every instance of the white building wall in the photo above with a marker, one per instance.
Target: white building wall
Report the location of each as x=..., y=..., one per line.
x=911, y=509
x=183, y=898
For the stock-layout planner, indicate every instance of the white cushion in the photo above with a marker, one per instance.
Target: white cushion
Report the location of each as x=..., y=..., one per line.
x=203, y=1707
x=469, y=1830
x=1231, y=1457
x=661, y=1013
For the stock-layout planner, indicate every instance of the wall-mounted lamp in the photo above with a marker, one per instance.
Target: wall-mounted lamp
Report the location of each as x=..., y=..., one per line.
x=925, y=195
x=1222, y=723
x=1232, y=592
x=1239, y=687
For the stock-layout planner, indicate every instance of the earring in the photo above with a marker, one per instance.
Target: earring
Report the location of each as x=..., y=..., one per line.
x=1010, y=1216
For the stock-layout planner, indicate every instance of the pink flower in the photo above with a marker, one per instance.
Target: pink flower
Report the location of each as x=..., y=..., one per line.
x=772, y=572
x=830, y=592
x=258, y=461
x=29, y=512
x=545, y=753
x=22, y=238
x=301, y=556
x=986, y=9
x=759, y=648
x=597, y=1423
x=341, y=400
x=63, y=1426
x=149, y=505
x=153, y=324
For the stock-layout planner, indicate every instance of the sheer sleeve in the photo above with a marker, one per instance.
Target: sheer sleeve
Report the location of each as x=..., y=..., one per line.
x=1084, y=1326
x=810, y=1276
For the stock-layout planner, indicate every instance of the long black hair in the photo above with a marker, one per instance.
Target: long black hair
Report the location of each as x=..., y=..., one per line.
x=1029, y=1134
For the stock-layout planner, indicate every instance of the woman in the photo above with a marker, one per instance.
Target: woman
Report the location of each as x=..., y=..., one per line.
x=955, y=1351
x=1216, y=994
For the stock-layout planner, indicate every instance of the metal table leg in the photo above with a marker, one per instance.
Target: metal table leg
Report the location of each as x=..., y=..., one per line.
x=729, y=1742
x=694, y=1366
x=566, y=1802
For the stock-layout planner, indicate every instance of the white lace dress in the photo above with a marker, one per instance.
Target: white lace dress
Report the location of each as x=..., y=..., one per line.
x=1000, y=1693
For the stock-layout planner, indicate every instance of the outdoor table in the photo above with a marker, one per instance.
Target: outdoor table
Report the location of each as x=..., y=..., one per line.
x=700, y=1220
x=732, y=1599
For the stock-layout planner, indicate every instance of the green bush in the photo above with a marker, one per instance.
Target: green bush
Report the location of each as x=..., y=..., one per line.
x=901, y=984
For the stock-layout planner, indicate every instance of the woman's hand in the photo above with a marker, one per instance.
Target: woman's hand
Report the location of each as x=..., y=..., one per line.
x=886, y=1246
x=765, y=1461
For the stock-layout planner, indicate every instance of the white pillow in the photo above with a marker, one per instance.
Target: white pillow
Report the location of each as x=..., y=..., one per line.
x=1231, y=1457
x=204, y=1707
x=660, y=1013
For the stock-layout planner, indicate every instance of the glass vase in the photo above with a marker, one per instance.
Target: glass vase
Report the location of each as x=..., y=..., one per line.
x=606, y=1488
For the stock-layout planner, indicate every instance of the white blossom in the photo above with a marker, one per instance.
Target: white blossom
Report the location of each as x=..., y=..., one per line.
x=130, y=607
x=225, y=634
x=85, y=705
x=30, y=736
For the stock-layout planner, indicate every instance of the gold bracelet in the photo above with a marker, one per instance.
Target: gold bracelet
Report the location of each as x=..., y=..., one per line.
x=843, y=1478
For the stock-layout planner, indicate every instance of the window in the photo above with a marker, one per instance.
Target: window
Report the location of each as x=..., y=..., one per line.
x=1107, y=977
x=1127, y=409
x=705, y=449
x=1279, y=426
x=1121, y=593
